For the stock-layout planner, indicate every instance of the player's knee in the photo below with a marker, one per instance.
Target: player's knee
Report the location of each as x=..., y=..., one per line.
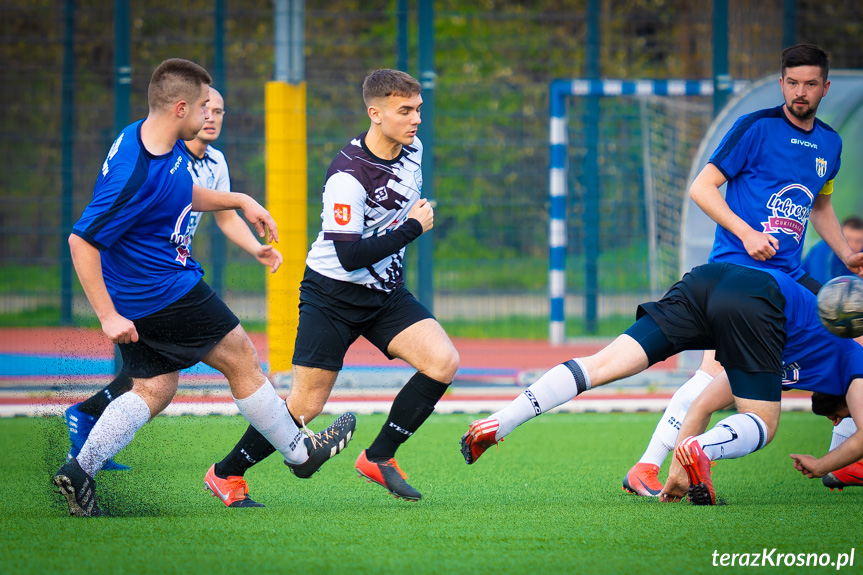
x=446, y=365
x=304, y=410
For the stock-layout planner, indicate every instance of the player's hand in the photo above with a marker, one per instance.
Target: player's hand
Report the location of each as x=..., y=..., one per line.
x=677, y=485
x=422, y=212
x=855, y=264
x=120, y=329
x=807, y=465
x=269, y=256
x=261, y=219
x=760, y=246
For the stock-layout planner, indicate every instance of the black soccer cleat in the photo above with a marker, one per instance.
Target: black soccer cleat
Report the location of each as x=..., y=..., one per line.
x=78, y=488
x=325, y=445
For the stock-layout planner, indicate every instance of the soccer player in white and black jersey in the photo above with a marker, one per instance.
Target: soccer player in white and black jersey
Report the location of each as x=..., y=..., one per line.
x=209, y=170
x=354, y=283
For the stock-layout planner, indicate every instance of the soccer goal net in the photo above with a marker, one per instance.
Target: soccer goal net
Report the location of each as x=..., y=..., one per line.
x=621, y=155
x=671, y=129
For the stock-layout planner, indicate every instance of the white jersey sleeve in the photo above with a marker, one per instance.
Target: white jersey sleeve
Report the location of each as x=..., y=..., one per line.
x=210, y=171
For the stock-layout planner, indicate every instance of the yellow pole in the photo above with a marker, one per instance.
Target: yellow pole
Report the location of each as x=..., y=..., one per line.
x=287, y=179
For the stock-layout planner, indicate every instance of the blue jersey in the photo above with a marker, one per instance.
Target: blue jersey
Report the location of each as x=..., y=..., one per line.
x=138, y=219
x=814, y=359
x=774, y=171
x=824, y=265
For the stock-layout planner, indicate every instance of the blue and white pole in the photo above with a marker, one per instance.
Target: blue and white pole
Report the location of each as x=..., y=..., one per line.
x=557, y=216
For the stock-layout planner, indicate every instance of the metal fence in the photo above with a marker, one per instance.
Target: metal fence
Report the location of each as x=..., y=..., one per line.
x=495, y=61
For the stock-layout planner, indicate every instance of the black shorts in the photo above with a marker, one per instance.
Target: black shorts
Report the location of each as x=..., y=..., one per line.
x=737, y=311
x=333, y=314
x=178, y=336
x=809, y=283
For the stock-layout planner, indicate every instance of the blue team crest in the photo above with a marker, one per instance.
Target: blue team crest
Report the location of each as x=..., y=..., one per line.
x=821, y=166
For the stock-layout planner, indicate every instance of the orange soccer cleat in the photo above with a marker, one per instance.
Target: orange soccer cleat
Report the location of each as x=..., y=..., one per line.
x=643, y=480
x=233, y=491
x=387, y=474
x=697, y=466
x=479, y=437
x=848, y=476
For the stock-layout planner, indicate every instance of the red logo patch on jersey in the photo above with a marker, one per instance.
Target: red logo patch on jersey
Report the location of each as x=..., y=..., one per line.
x=183, y=254
x=342, y=213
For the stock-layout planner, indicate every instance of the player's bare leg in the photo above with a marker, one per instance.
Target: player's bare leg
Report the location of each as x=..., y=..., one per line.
x=310, y=390
x=425, y=346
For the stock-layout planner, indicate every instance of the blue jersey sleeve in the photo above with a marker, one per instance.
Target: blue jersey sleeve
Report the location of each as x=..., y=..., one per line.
x=736, y=147
x=119, y=196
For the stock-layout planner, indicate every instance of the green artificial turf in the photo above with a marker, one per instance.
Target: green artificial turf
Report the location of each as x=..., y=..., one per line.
x=550, y=501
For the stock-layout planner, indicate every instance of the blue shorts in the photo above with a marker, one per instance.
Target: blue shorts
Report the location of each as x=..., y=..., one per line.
x=333, y=314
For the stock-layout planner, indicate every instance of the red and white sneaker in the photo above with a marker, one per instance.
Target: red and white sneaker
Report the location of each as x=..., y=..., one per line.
x=643, y=480
x=848, y=476
x=479, y=437
x=697, y=466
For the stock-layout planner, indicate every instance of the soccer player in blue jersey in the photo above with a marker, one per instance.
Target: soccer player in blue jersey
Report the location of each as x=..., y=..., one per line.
x=209, y=170
x=778, y=165
x=762, y=324
x=130, y=249
x=354, y=283
x=822, y=264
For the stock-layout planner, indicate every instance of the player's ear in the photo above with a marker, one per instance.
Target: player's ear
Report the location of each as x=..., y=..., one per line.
x=375, y=114
x=181, y=108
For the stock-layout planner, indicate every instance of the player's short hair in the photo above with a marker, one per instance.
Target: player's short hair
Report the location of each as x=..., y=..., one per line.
x=386, y=82
x=826, y=404
x=853, y=222
x=805, y=55
x=176, y=79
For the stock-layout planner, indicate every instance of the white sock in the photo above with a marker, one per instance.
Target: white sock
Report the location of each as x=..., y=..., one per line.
x=556, y=386
x=267, y=413
x=841, y=432
x=113, y=431
x=735, y=436
x=665, y=435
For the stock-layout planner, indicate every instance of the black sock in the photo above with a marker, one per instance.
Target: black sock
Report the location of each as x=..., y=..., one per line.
x=251, y=449
x=96, y=405
x=411, y=407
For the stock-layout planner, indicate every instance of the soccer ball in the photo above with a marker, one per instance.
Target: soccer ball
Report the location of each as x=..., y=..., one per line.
x=840, y=305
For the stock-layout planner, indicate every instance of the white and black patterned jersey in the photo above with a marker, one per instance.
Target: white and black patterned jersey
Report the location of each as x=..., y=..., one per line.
x=365, y=196
x=210, y=171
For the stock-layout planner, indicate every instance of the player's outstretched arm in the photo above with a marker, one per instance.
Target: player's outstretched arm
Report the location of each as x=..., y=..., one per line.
x=207, y=200
x=88, y=265
x=851, y=449
x=705, y=193
x=236, y=230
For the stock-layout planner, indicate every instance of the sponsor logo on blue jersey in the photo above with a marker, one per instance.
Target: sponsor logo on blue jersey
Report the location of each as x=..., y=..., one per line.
x=788, y=216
